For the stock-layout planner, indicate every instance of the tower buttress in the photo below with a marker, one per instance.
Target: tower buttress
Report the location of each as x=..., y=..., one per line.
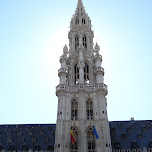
x=82, y=103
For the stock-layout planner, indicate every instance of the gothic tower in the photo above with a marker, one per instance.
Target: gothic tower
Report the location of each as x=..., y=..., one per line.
x=81, y=92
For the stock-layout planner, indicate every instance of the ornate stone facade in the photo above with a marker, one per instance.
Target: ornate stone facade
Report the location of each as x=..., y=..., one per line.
x=81, y=93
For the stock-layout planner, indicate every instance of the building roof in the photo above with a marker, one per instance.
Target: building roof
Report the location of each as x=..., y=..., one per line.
x=131, y=134
x=27, y=136
x=124, y=135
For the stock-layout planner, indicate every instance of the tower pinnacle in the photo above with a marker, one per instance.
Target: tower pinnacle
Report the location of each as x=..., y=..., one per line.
x=80, y=9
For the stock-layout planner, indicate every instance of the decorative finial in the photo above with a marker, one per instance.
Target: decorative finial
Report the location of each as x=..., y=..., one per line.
x=65, y=49
x=97, y=48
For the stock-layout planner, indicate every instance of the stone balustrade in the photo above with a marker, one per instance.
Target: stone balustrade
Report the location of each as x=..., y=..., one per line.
x=81, y=87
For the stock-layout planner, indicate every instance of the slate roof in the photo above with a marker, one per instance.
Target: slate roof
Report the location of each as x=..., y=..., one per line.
x=124, y=135
x=131, y=134
x=27, y=136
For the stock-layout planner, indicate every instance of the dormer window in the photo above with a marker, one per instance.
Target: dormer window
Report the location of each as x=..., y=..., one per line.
x=150, y=144
x=139, y=135
x=1, y=148
x=24, y=148
x=117, y=146
x=85, y=42
x=134, y=145
x=123, y=136
x=11, y=147
x=37, y=148
x=83, y=21
x=50, y=148
x=77, y=21
x=76, y=42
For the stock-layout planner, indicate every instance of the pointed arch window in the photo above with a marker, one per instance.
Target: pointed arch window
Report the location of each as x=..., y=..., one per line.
x=74, y=110
x=77, y=21
x=76, y=42
x=86, y=73
x=90, y=140
x=89, y=109
x=85, y=42
x=75, y=133
x=83, y=21
x=76, y=74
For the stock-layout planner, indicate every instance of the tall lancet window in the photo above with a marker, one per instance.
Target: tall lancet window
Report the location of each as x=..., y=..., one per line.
x=83, y=21
x=81, y=12
x=75, y=133
x=89, y=109
x=86, y=73
x=76, y=42
x=90, y=140
x=76, y=74
x=74, y=110
x=85, y=42
x=77, y=21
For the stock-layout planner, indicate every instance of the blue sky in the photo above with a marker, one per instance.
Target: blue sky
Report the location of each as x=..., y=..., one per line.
x=32, y=36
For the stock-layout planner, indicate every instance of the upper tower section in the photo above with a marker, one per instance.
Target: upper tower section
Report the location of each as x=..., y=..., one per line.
x=80, y=35
x=81, y=63
x=80, y=18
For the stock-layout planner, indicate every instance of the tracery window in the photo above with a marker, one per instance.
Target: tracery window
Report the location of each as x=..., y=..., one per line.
x=83, y=21
x=76, y=74
x=85, y=42
x=76, y=42
x=74, y=110
x=77, y=21
x=90, y=140
x=89, y=109
x=86, y=73
x=74, y=148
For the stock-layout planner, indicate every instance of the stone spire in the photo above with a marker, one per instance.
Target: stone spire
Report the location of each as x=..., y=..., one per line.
x=80, y=17
x=80, y=11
